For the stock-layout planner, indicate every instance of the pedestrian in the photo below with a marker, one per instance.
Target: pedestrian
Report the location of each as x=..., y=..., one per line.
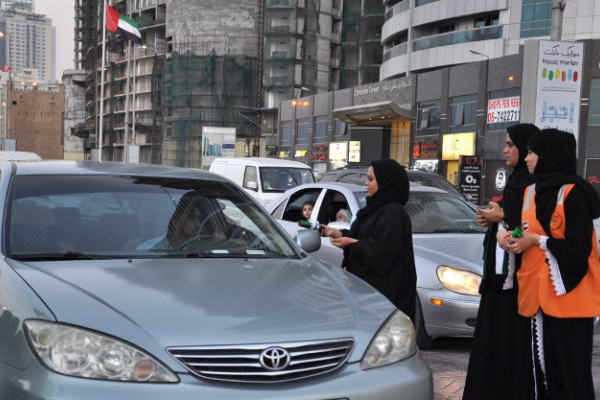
x=378, y=247
x=500, y=333
x=559, y=278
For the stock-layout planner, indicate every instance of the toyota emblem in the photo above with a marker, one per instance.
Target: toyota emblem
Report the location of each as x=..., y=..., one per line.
x=274, y=358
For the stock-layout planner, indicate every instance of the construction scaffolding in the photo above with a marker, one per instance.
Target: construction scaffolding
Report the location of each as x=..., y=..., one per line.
x=199, y=91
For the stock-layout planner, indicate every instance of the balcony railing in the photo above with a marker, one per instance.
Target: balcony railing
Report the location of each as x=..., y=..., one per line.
x=447, y=39
x=395, y=51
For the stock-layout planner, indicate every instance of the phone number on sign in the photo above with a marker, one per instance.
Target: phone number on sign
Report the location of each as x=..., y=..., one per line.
x=503, y=116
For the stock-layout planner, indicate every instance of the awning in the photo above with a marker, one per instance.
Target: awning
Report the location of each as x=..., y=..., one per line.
x=378, y=114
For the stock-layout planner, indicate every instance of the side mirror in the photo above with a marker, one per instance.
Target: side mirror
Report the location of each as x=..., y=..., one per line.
x=252, y=185
x=308, y=239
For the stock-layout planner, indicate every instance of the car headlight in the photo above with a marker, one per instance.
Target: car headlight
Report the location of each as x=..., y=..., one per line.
x=458, y=280
x=394, y=341
x=77, y=352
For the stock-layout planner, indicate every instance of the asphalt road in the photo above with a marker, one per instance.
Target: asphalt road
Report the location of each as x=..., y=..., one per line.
x=448, y=359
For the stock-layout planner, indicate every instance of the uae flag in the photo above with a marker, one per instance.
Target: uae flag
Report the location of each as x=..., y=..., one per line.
x=118, y=22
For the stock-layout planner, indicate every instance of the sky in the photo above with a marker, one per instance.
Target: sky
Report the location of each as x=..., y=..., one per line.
x=62, y=13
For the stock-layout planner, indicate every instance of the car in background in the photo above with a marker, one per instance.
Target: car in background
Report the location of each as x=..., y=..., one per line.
x=447, y=243
x=100, y=301
x=359, y=176
x=263, y=178
x=18, y=155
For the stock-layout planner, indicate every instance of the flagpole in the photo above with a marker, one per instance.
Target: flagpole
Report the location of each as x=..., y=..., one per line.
x=126, y=138
x=101, y=123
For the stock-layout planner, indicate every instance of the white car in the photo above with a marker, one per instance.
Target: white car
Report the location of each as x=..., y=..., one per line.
x=447, y=242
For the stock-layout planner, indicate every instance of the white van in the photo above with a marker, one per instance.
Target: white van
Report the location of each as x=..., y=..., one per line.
x=263, y=178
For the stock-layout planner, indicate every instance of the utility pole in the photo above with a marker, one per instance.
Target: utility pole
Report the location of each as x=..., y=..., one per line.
x=558, y=9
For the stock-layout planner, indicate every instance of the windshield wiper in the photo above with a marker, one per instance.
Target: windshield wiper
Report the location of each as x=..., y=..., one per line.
x=67, y=255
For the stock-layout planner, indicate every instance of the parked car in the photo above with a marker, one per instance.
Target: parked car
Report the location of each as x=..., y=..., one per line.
x=447, y=242
x=359, y=176
x=146, y=282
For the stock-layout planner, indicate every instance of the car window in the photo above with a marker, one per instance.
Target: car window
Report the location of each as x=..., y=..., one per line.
x=278, y=179
x=293, y=209
x=332, y=202
x=437, y=212
x=136, y=217
x=250, y=178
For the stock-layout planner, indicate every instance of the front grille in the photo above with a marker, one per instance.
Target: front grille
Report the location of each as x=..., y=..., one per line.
x=244, y=363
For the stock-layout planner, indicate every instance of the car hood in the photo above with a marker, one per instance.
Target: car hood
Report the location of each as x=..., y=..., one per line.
x=158, y=303
x=460, y=250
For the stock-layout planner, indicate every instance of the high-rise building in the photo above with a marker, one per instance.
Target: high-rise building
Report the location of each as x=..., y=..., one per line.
x=9, y=4
x=211, y=64
x=29, y=41
x=422, y=35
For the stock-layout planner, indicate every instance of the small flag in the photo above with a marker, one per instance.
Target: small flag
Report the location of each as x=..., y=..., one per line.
x=118, y=22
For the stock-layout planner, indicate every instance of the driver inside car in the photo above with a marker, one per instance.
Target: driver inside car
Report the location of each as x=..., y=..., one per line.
x=194, y=216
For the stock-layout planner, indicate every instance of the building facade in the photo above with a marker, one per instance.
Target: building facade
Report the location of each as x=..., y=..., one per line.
x=36, y=110
x=29, y=41
x=73, y=81
x=216, y=64
x=420, y=35
x=9, y=4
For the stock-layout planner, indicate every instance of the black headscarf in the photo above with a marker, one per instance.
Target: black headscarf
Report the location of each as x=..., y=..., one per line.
x=556, y=166
x=520, y=178
x=393, y=187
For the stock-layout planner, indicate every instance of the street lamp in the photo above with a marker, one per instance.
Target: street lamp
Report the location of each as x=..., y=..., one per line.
x=295, y=103
x=485, y=91
x=7, y=88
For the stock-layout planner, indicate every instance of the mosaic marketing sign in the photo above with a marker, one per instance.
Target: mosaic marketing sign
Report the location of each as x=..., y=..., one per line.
x=559, y=85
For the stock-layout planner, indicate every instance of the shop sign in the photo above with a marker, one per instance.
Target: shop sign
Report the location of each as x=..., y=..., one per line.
x=354, y=151
x=318, y=152
x=507, y=109
x=470, y=177
x=338, y=152
x=427, y=148
x=455, y=145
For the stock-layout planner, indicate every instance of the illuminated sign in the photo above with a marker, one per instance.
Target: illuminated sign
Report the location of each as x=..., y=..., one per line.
x=338, y=152
x=455, y=145
x=354, y=151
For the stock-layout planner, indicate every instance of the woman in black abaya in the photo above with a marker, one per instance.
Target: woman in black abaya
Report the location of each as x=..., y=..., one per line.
x=378, y=247
x=502, y=336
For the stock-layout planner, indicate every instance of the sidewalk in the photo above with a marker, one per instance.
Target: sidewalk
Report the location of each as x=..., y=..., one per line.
x=450, y=366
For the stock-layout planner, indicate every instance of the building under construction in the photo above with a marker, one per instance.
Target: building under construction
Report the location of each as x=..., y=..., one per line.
x=206, y=64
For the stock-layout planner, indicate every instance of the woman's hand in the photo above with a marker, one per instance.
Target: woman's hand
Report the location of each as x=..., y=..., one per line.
x=519, y=245
x=326, y=231
x=487, y=215
x=343, y=242
x=504, y=240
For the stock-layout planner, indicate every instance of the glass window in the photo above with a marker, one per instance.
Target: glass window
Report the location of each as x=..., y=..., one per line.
x=428, y=117
x=286, y=133
x=536, y=18
x=303, y=130
x=463, y=112
x=595, y=102
x=321, y=127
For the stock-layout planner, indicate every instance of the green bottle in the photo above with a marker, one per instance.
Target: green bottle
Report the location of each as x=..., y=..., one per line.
x=517, y=232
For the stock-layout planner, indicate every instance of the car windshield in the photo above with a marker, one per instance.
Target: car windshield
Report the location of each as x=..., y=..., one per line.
x=438, y=212
x=96, y=216
x=278, y=179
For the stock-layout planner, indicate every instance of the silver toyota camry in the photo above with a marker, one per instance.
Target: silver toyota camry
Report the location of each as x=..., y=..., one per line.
x=145, y=282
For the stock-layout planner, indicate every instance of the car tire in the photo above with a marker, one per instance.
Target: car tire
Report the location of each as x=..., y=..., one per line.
x=423, y=339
